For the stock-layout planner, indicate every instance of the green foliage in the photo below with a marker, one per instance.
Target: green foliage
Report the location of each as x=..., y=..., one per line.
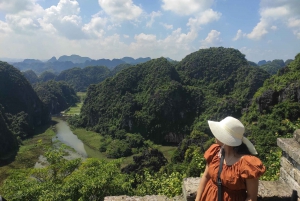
x=195, y=162
x=57, y=96
x=273, y=67
x=68, y=180
x=159, y=184
x=272, y=162
x=47, y=76
x=31, y=76
x=117, y=149
x=21, y=111
x=163, y=102
x=80, y=78
x=273, y=113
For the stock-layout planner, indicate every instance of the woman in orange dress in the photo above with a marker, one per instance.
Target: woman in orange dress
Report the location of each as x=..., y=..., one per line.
x=241, y=169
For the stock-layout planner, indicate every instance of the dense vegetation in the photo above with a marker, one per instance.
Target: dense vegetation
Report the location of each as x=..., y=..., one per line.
x=165, y=102
x=274, y=112
x=274, y=66
x=57, y=96
x=21, y=111
x=78, y=78
x=66, y=62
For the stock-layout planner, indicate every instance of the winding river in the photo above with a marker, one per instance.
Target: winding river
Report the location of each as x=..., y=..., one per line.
x=66, y=136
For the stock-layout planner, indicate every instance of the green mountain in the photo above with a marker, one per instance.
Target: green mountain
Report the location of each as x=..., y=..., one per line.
x=273, y=67
x=274, y=111
x=164, y=102
x=21, y=109
x=31, y=76
x=80, y=78
x=57, y=96
x=73, y=58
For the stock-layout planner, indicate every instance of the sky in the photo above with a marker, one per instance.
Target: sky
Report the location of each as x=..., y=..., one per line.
x=41, y=29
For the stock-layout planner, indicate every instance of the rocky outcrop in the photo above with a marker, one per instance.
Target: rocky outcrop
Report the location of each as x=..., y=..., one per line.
x=267, y=99
x=271, y=97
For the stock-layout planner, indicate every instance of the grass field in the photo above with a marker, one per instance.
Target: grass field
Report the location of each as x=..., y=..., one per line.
x=75, y=110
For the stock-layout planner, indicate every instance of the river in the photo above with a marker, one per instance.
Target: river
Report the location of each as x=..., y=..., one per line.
x=66, y=136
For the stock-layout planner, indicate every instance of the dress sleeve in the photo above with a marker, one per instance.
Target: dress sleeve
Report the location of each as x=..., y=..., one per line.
x=211, y=152
x=252, y=167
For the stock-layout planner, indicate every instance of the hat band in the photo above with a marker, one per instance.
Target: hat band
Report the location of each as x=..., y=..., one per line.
x=232, y=133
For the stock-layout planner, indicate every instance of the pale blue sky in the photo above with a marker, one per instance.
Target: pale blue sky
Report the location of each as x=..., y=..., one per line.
x=40, y=29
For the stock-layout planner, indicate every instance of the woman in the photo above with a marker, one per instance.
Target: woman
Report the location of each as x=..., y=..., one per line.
x=241, y=170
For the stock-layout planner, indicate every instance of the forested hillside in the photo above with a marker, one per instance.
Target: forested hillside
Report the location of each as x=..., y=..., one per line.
x=57, y=96
x=165, y=102
x=78, y=78
x=274, y=111
x=21, y=109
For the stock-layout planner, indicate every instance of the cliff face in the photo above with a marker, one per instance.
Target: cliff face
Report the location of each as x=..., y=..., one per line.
x=271, y=97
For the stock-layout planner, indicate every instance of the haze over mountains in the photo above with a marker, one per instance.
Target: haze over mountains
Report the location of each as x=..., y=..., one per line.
x=66, y=62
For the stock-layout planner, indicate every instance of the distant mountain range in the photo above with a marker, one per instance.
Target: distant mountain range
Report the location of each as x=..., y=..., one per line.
x=66, y=62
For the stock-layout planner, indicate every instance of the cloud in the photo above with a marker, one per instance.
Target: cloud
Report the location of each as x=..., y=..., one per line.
x=120, y=9
x=276, y=11
x=25, y=21
x=259, y=30
x=125, y=36
x=294, y=22
x=153, y=15
x=238, y=35
x=212, y=39
x=204, y=18
x=186, y=7
x=95, y=28
x=145, y=38
x=4, y=28
x=15, y=6
x=65, y=19
x=167, y=26
x=274, y=28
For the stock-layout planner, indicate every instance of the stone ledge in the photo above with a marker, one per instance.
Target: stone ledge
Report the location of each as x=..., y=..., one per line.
x=286, y=178
x=290, y=169
x=189, y=188
x=297, y=135
x=144, y=198
x=291, y=147
x=267, y=190
x=274, y=190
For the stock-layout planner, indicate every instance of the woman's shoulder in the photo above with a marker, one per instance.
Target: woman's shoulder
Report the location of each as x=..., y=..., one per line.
x=251, y=167
x=212, y=151
x=213, y=148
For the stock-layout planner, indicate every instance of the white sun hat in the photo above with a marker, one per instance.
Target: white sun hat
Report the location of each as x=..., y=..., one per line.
x=230, y=131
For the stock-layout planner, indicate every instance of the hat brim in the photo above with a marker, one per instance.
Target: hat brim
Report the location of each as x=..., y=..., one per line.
x=223, y=135
x=226, y=138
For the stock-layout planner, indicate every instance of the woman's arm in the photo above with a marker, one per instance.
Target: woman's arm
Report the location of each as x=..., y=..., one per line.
x=205, y=177
x=252, y=189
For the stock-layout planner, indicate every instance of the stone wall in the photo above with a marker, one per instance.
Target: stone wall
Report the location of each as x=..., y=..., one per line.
x=280, y=190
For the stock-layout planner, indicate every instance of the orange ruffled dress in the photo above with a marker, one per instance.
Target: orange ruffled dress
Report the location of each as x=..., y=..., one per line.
x=233, y=176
